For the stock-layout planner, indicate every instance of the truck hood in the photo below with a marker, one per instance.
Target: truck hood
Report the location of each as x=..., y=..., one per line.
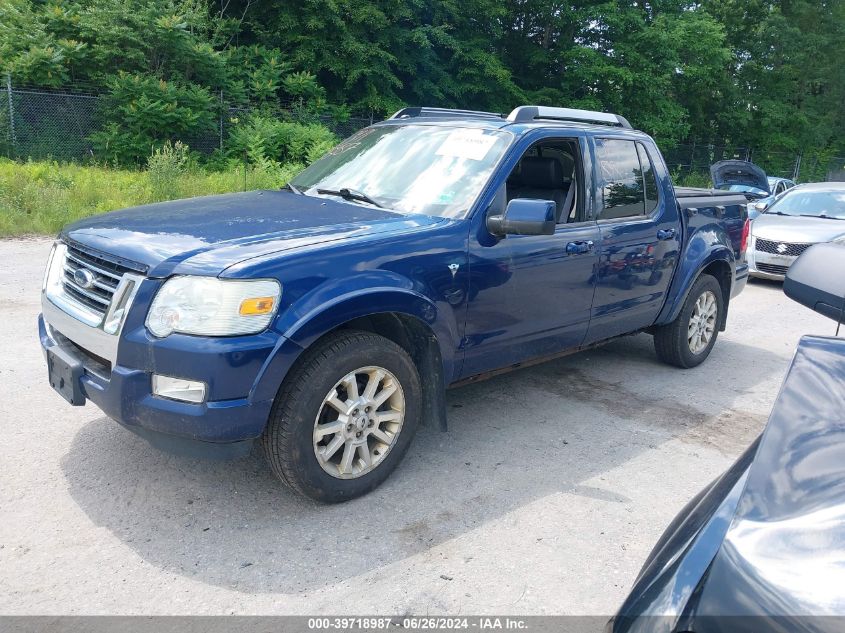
x=206, y=235
x=796, y=229
x=738, y=172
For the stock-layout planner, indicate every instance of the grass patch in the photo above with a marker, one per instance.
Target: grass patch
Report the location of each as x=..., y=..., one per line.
x=41, y=197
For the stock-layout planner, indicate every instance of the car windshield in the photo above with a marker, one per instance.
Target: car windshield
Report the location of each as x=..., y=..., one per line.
x=434, y=170
x=826, y=203
x=743, y=189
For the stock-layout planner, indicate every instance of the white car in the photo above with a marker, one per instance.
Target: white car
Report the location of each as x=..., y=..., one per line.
x=804, y=215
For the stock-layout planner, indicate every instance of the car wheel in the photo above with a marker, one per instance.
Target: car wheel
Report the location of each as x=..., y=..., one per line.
x=344, y=417
x=688, y=340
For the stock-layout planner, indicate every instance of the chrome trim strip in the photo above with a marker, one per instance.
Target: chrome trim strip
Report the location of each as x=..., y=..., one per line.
x=74, y=308
x=83, y=291
x=97, y=282
x=85, y=336
x=122, y=300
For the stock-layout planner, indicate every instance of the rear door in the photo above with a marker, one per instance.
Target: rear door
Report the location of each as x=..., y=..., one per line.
x=640, y=233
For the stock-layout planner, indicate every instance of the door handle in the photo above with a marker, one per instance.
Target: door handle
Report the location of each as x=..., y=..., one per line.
x=665, y=234
x=577, y=248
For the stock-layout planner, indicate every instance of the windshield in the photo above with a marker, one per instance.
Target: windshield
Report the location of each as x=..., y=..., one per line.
x=818, y=204
x=427, y=169
x=743, y=189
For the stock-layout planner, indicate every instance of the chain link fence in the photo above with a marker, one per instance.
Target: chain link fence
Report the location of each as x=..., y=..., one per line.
x=53, y=124
x=692, y=161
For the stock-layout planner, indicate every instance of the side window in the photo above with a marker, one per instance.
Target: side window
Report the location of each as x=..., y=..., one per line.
x=649, y=178
x=549, y=170
x=621, y=179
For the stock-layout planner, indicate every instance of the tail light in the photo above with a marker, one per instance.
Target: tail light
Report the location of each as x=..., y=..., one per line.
x=743, y=242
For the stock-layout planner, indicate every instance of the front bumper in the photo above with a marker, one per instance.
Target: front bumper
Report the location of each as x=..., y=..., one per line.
x=115, y=373
x=767, y=265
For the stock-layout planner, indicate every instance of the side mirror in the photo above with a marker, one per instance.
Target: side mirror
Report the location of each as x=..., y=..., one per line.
x=761, y=206
x=524, y=216
x=813, y=282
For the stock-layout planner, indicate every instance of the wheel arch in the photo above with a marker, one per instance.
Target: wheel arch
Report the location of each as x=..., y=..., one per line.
x=408, y=319
x=718, y=262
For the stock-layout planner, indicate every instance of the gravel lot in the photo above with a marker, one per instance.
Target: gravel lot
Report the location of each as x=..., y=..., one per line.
x=543, y=498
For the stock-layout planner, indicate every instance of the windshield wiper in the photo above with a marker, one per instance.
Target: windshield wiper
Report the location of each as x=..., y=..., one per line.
x=351, y=194
x=821, y=215
x=293, y=189
x=775, y=213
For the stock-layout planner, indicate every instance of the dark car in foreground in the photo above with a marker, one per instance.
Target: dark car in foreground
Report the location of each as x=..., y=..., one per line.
x=438, y=247
x=762, y=548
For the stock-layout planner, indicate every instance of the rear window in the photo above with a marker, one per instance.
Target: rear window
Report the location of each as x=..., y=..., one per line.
x=621, y=179
x=649, y=179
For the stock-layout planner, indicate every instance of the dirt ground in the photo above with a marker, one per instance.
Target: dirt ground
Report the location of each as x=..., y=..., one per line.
x=544, y=497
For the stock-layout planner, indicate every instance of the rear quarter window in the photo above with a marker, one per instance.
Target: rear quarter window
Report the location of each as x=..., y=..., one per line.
x=620, y=178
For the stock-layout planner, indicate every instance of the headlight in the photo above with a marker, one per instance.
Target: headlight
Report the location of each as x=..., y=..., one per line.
x=53, y=273
x=208, y=306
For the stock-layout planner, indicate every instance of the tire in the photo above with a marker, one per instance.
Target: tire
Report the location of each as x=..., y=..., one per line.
x=312, y=459
x=673, y=342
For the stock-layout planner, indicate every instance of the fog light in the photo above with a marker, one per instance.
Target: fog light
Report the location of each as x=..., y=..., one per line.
x=178, y=388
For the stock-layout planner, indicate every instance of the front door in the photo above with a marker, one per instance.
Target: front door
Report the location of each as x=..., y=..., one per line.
x=530, y=295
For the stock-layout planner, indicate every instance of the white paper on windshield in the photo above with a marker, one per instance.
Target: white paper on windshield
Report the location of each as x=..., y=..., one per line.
x=470, y=144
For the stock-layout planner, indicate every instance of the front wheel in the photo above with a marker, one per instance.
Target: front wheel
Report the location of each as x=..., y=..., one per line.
x=688, y=340
x=344, y=417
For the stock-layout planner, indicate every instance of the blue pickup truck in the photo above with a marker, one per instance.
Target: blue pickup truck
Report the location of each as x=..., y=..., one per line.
x=326, y=320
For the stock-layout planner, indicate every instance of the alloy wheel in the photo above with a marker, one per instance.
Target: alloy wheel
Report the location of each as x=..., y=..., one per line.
x=358, y=423
x=702, y=323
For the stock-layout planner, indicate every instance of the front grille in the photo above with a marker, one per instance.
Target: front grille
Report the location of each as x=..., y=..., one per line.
x=781, y=248
x=106, y=276
x=772, y=269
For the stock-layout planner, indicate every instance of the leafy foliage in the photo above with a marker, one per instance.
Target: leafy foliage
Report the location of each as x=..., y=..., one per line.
x=765, y=74
x=265, y=140
x=143, y=112
x=41, y=197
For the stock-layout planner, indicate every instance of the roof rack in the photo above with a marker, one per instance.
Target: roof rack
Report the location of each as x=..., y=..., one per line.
x=523, y=114
x=407, y=113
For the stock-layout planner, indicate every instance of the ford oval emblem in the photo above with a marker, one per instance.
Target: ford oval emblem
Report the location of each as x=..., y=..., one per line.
x=83, y=277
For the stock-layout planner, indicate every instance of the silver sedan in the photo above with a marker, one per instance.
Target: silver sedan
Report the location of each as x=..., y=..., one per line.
x=803, y=216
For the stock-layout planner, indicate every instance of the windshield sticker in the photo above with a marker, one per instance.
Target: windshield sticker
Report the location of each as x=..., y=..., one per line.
x=469, y=144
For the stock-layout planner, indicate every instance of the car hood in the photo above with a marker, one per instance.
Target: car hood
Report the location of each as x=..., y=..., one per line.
x=768, y=536
x=796, y=229
x=738, y=172
x=209, y=234
x=784, y=553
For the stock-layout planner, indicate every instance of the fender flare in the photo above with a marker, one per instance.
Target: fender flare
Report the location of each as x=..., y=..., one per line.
x=352, y=305
x=315, y=318
x=715, y=253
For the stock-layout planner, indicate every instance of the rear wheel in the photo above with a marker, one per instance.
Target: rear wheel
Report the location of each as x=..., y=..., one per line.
x=688, y=340
x=344, y=417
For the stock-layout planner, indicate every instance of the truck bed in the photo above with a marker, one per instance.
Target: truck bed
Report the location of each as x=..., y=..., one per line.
x=712, y=202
